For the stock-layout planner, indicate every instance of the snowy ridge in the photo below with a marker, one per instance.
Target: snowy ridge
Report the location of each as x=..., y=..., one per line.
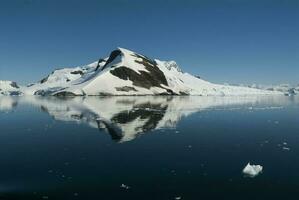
x=125, y=72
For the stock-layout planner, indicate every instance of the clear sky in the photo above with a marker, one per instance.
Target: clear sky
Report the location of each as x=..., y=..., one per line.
x=235, y=41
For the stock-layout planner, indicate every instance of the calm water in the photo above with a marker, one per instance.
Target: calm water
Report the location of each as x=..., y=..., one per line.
x=158, y=147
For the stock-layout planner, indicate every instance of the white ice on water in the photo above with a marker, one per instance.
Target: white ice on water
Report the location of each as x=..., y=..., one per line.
x=252, y=170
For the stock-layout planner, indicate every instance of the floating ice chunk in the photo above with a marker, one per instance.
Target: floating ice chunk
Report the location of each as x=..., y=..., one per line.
x=177, y=198
x=252, y=170
x=124, y=186
x=286, y=148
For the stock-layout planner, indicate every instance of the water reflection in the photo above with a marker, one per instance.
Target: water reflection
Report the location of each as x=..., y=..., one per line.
x=124, y=118
x=7, y=103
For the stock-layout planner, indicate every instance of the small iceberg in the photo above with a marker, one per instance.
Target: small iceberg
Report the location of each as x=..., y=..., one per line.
x=252, y=170
x=124, y=186
x=286, y=148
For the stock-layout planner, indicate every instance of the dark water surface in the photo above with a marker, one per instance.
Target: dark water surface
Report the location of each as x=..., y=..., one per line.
x=148, y=147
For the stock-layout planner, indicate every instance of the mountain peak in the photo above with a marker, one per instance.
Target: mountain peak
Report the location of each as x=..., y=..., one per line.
x=125, y=51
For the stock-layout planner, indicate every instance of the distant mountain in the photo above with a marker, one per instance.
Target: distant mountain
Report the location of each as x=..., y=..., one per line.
x=286, y=89
x=9, y=88
x=125, y=72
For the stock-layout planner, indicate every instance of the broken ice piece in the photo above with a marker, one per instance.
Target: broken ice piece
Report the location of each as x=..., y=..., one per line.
x=252, y=170
x=178, y=198
x=286, y=148
x=124, y=186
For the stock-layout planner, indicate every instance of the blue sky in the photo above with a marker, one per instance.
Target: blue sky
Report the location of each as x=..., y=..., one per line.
x=235, y=41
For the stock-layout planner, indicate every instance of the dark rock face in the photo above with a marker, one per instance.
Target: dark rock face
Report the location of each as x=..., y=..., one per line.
x=99, y=62
x=31, y=84
x=65, y=94
x=112, y=56
x=48, y=92
x=143, y=79
x=14, y=85
x=77, y=72
x=41, y=93
x=15, y=93
x=184, y=93
x=153, y=69
x=125, y=89
x=292, y=91
x=153, y=78
x=44, y=79
x=105, y=94
x=168, y=92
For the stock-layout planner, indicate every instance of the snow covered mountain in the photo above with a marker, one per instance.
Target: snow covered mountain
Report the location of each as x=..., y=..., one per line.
x=286, y=89
x=9, y=88
x=128, y=73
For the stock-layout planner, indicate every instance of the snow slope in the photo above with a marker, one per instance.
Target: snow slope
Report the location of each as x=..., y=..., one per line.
x=61, y=78
x=125, y=72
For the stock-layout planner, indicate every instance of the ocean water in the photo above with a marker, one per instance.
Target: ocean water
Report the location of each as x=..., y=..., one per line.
x=148, y=147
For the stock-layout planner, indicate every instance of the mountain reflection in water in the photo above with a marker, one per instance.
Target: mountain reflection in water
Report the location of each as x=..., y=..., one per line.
x=125, y=118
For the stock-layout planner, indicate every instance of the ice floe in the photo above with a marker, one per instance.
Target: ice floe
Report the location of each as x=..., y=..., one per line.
x=125, y=186
x=252, y=170
x=286, y=148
